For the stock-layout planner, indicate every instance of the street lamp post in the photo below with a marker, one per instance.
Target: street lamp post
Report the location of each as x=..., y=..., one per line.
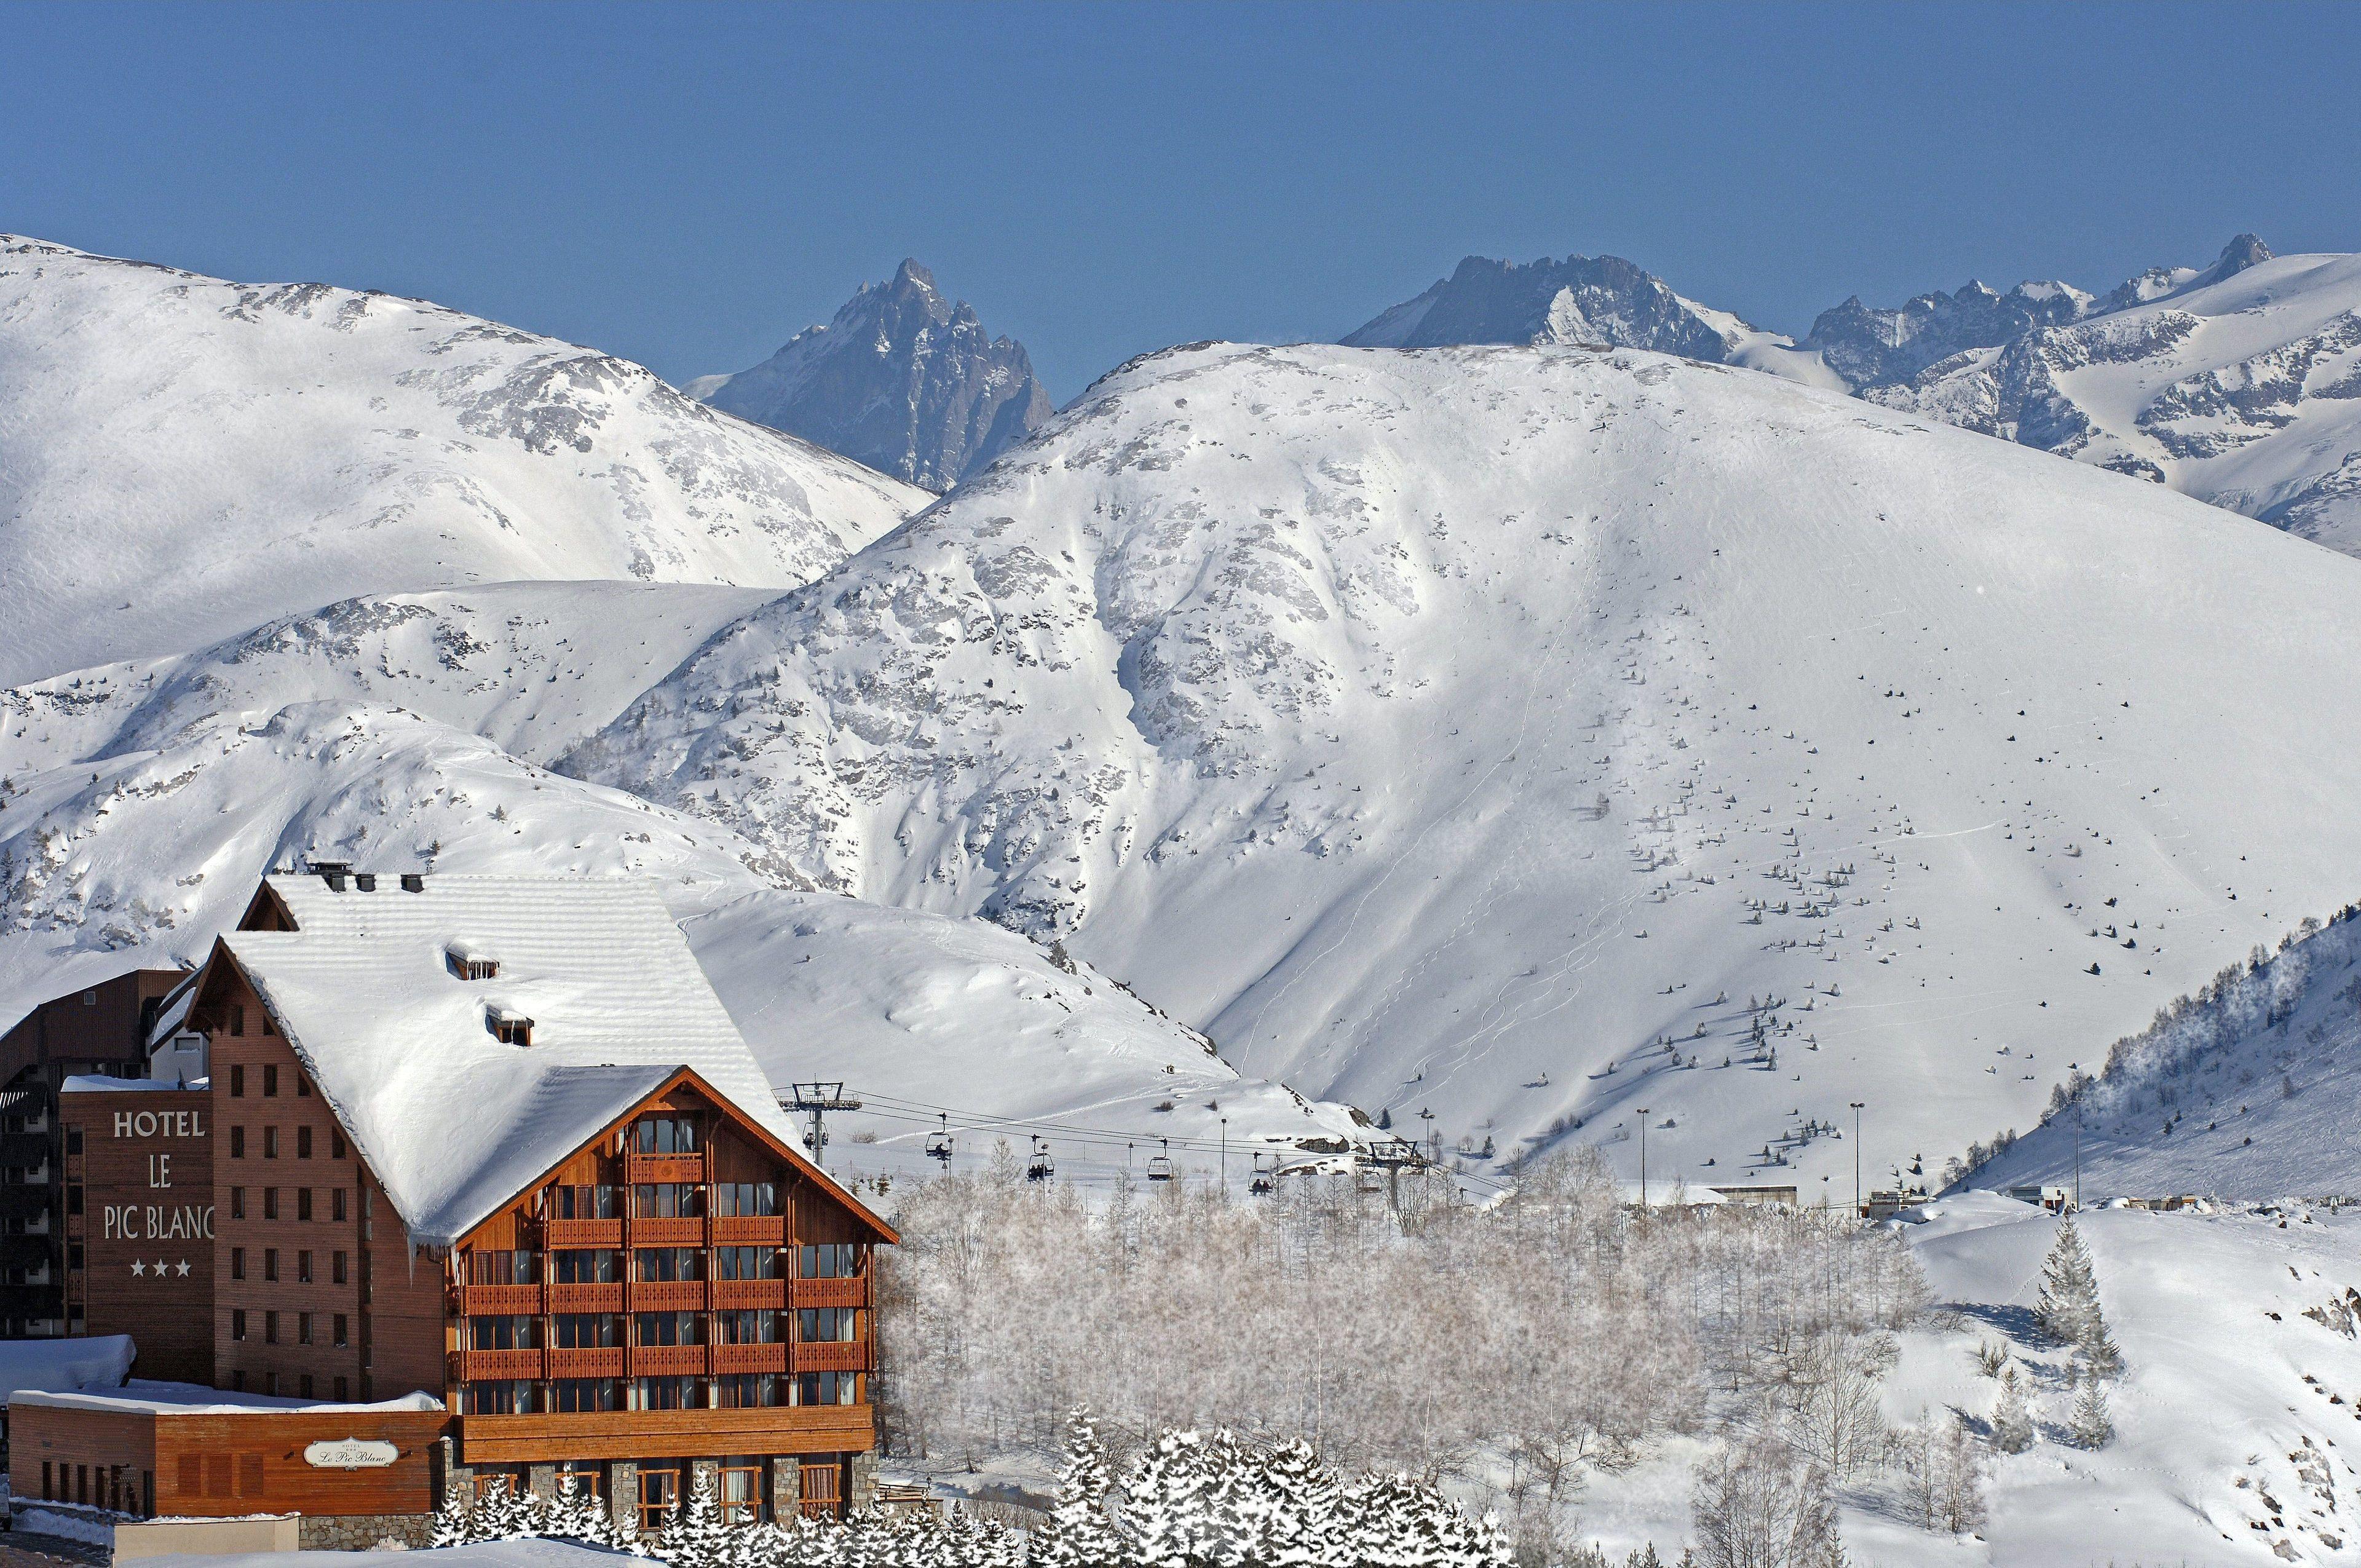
x=1856, y=1159
x=1643, y=1162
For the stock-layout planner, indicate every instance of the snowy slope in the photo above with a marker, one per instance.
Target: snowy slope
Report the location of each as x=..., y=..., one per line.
x=139, y=802
x=183, y=458
x=2248, y=1090
x=1452, y=730
x=2243, y=390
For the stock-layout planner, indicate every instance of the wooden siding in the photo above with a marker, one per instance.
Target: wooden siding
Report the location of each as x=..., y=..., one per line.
x=665, y=1434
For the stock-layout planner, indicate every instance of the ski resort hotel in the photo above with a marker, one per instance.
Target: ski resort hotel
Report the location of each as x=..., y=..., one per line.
x=435, y=1185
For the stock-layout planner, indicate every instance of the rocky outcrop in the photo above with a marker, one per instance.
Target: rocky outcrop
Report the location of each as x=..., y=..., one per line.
x=1599, y=300
x=900, y=379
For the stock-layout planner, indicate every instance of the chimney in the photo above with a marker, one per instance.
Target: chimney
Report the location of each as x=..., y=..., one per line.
x=411, y=881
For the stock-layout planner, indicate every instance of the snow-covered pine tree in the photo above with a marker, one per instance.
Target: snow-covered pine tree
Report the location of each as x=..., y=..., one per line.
x=1080, y=1534
x=1303, y=1500
x=2090, y=1426
x=695, y=1537
x=453, y=1525
x=1165, y=1502
x=2012, y=1421
x=2070, y=1289
x=2099, y=1350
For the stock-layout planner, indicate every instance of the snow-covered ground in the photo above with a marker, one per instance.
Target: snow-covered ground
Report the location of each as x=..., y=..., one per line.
x=184, y=458
x=1493, y=730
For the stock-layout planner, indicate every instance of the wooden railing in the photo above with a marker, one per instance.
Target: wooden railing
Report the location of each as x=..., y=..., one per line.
x=851, y=1292
x=500, y=1299
x=732, y=1294
x=583, y=1232
x=481, y=1364
x=750, y=1229
x=594, y=1361
x=668, y=1232
x=639, y=1168
x=668, y=1296
x=603, y=1298
x=832, y=1356
x=728, y=1358
x=669, y=1360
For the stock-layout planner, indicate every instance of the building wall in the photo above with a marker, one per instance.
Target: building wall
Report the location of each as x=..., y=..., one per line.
x=139, y=1167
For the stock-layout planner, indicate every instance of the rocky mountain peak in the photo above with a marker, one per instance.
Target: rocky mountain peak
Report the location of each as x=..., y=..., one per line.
x=1601, y=299
x=900, y=378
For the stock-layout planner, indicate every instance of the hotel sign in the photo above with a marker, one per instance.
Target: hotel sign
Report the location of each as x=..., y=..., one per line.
x=162, y=1220
x=351, y=1453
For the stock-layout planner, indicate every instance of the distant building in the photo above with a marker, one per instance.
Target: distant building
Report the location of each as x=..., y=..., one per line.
x=481, y=1188
x=1773, y=1196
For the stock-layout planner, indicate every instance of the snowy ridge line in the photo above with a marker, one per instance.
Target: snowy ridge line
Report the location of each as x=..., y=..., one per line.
x=919, y=1113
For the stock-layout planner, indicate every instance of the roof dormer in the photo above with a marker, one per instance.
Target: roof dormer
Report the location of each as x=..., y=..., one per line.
x=468, y=962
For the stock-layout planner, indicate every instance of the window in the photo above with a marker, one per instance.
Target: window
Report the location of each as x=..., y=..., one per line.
x=603, y=1266
x=270, y=1263
x=271, y=1143
x=587, y=1479
x=236, y=1199
x=343, y=1390
x=238, y=1081
x=302, y=1084
x=237, y=1326
x=302, y=1143
x=509, y=1028
x=503, y=1331
x=745, y=1198
x=746, y=1391
x=336, y=1205
x=824, y=1388
x=741, y=1490
x=270, y=1328
x=336, y=1267
x=238, y=1142
x=303, y=1383
x=588, y=1330
x=269, y=1080
x=664, y=1134
x=586, y=1203
x=659, y=1479
x=746, y=1328
x=343, y=1336
x=662, y=1263
x=671, y=1328
x=236, y=1018
x=830, y=1261
x=74, y=1200
x=238, y=1262
x=497, y=1397
x=303, y=1202
x=335, y=1142
x=73, y=1140
x=746, y=1263
x=820, y=1325
x=304, y=1268
x=668, y=1394
x=668, y=1200
x=504, y=1268
x=74, y=1254
x=270, y=1203
x=574, y=1394
x=303, y=1331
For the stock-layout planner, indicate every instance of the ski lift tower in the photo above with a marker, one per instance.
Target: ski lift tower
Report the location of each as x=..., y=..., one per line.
x=816, y=1100
x=1390, y=1154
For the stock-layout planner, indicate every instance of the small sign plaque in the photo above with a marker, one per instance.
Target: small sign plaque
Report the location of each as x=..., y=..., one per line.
x=351, y=1453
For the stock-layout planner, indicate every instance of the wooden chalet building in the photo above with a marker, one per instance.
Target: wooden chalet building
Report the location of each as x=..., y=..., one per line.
x=481, y=1188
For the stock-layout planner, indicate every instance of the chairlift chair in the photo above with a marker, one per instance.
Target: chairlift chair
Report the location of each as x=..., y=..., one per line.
x=1042, y=1167
x=939, y=1144
x=1265, y=1167
x=1160, y=1165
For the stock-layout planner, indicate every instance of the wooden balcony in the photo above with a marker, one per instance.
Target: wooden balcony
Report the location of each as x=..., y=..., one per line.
x=852, y=1292
x=587, y=1297
x=490, y=1301
x=728, y=1358
x=670, y=1360
x=750, y=1229
x=736, y=1294
x=688, y=1231
x=832, y=1356
x=583, y=1232
x=668, y=1296
x=598, y=1361
x=476, y=1364
x=640, y=1169
x=654, y=1434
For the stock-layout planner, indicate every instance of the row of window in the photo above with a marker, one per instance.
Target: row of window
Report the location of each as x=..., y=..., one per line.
x=302, y=1143
x=604, y=1330
x=574, y=1396
x=303, y=1384
x=666, y=1199
x=604, y=1265
x=269, y=1078
x=306, y=1327
x=662, y=1483
x=339, y=1270
x=339, y=1203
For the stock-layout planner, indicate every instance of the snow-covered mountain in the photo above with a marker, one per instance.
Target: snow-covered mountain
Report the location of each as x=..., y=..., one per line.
x=2241, y=1091
x=139, y=802
x=903, y=379
x=1496, y=732
x=2240, y=385
x=1594, y=301
x=183, y=458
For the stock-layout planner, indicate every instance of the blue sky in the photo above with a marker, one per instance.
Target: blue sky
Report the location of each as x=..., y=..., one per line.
x=688, y=185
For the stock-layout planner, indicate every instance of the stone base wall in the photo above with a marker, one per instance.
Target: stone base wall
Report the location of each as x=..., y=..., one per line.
x=363, y=1532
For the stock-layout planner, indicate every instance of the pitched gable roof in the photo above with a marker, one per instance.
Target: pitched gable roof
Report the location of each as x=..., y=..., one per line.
x=451, y=1120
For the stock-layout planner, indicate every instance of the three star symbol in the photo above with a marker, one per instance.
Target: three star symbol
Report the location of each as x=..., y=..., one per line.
x=139, y=1268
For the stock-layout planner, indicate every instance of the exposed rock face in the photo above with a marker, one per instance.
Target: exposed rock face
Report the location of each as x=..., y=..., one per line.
x=902, y=380
x=1600, y=300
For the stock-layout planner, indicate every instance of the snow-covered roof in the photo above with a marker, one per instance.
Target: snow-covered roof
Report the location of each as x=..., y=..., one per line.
x=196, y=1399
x=30, y=1366
x=453, y=1122
x=99, y=1083
x=172, y=1014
